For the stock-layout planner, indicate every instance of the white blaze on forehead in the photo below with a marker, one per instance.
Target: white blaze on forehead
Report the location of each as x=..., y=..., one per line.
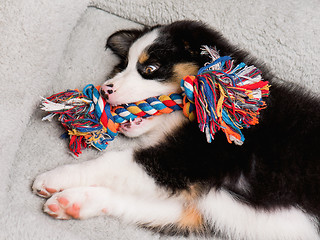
x=139, y=46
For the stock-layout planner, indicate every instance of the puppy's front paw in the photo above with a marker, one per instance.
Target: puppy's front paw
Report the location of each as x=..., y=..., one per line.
x=60, y=207
x=54, y=181
x=44, y=185
x=77, y=203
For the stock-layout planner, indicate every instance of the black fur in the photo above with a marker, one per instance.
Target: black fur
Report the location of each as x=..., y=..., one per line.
x=279, y=158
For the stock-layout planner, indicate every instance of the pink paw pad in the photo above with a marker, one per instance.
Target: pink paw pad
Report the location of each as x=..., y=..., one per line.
x=42, y=193
x=54, y=207
x=63, y=201
x=51, y=190
x=73, y=211
x=46, y=192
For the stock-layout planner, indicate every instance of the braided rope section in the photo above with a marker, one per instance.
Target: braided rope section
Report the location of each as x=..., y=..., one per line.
x=90, y=120
x=150, y=107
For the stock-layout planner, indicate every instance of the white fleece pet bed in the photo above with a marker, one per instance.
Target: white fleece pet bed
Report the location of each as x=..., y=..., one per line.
x=49, y=46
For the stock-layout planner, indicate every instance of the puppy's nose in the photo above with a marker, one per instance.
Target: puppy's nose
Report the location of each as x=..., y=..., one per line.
x=106, y=90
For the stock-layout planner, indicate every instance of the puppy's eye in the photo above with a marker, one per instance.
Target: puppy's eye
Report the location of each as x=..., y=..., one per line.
x=151, y=68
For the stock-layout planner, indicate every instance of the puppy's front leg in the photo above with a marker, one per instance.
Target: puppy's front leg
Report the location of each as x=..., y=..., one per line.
x=86, y=202
x=152, y=211
x=116, y=170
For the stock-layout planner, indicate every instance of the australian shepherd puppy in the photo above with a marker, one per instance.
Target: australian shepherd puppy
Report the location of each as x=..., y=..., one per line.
x=162, y=173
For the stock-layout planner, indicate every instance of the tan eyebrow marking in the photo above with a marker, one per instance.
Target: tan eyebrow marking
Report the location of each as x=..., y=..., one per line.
x=143, y=57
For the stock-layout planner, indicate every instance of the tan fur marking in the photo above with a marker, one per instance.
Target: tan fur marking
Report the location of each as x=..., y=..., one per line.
x=193, y=193
x=184, y=69
x=143, y=57
x=191, y=219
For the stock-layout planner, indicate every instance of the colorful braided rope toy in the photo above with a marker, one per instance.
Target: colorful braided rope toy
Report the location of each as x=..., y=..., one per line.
x=219, y=97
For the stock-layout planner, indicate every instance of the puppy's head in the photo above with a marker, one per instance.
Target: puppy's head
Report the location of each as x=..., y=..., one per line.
x=154, y=60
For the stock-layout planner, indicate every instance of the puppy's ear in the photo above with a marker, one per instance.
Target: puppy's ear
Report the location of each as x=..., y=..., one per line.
x=121, y=41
